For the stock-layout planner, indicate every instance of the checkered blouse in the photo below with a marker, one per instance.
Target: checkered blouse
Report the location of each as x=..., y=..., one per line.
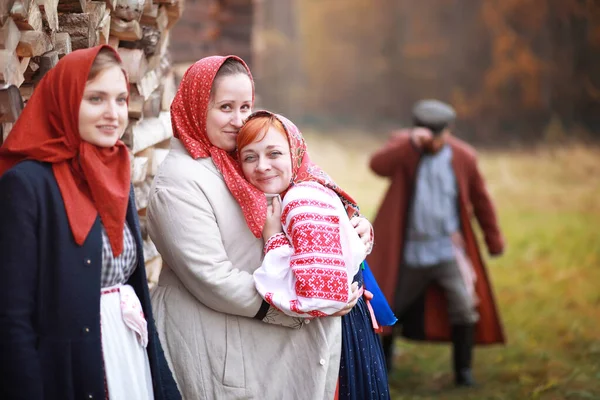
x=117, y=270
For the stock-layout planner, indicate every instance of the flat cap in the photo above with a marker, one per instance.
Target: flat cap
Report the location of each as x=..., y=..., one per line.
x=433, y=114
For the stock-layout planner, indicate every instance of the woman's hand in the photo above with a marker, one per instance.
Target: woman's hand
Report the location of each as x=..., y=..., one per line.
x=352, y=300
x=363, y=229
x=273, y=222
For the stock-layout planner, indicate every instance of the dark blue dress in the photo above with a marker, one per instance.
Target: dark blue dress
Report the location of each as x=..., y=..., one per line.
x=363, y=374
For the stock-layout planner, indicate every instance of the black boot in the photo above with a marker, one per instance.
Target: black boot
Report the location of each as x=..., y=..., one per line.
x=387, y=342
x=462, y=340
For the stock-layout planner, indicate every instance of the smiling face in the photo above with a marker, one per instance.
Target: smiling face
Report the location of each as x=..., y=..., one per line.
x=103, y=110
x=230, y=105
x=267, y=163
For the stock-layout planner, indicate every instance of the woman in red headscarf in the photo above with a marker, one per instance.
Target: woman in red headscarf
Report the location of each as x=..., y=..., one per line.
x=314, y=256
x=75, y=316
x=221, y=338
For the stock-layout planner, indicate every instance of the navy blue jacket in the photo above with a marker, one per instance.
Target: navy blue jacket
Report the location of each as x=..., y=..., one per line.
x=50, y=344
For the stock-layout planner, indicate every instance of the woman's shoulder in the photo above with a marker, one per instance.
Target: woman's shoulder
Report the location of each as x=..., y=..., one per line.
x=180, y=170
x=30, y=170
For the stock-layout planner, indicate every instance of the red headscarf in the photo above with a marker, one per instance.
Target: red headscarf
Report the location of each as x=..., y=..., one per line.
x=92, y=180
x=303, y=169
x=188, y=117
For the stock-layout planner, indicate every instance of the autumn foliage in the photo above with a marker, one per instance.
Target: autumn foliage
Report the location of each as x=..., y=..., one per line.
x=512, y=68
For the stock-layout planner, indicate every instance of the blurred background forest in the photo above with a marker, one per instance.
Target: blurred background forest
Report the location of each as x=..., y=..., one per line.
x=516, y=70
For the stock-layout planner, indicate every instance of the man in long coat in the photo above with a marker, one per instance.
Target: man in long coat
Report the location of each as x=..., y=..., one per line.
x=426, y=256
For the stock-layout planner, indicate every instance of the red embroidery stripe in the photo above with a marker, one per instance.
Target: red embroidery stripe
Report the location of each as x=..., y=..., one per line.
x=304, y=203
x=317, y=260
x=276, y=241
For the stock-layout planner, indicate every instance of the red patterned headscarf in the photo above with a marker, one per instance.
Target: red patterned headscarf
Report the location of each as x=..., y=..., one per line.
x=303, y=169
x=188, y=117
x=92, y=180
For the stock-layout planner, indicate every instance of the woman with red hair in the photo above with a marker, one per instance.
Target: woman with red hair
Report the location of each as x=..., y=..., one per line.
x=312, y=256
x=75, y=315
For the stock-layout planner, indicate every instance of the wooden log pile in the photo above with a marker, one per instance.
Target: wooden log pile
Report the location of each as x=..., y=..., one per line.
x=35, y=34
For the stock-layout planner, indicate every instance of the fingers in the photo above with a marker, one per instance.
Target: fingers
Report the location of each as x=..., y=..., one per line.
x=368, y=295
x=355, y=221
x=276, y=205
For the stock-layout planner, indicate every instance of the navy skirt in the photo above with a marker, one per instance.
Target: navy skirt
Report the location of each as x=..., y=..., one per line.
x=363, y=375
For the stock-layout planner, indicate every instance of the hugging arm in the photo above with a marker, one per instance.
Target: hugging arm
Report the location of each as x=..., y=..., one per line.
x=184, y=229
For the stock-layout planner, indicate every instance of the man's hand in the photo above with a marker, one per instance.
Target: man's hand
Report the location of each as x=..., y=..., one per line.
x=421, y=136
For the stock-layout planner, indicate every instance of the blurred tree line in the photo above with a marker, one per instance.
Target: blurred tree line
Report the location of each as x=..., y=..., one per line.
x=516, y=70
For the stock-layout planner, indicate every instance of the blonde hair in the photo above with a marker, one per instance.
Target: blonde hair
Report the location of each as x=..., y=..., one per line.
x=105, y=59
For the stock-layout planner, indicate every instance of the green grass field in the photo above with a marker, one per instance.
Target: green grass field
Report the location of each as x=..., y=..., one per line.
x=547, y=283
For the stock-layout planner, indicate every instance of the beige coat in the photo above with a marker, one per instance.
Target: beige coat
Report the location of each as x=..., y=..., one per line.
x=206, y=299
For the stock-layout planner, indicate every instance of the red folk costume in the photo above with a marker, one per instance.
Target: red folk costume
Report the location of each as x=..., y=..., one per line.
x=188, y=117
x=427, y=318
x=92, y=180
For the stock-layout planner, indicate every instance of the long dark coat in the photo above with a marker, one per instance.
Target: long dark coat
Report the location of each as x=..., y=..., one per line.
x=427, y=318
x=50, y=345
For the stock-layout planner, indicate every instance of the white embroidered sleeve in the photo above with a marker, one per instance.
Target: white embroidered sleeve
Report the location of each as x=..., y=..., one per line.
x=305, y=273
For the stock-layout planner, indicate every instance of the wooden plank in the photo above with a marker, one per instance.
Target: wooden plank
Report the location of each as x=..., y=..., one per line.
x=47, y=62
x=104, y=28
x=9, y=35
x=150, y=39
x=158, y=156
x=33, y=44
x=79, y=27
x=150, y=251
x=71, y=6
x=5, y=7
x=11, y=104
x=27, y=19
x=111, y=4
x=150, y=13
x=129, y=10
x=24, y=61
x=96, y=10
x=10, y=68
x=152, y=106
x=169, y=88
x=49, y=9
x=62, y=44
x=113, y=42
x=148, y=83
x=146, y=133
x=136, y=106
x=20, y=9
x=174, y=12
x=139, y=169
x=134, y=62
x=26, y=90
x=153, y=268
x=125, y=30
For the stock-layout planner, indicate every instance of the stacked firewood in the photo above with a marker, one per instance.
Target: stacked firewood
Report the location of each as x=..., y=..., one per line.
x=35, y=34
